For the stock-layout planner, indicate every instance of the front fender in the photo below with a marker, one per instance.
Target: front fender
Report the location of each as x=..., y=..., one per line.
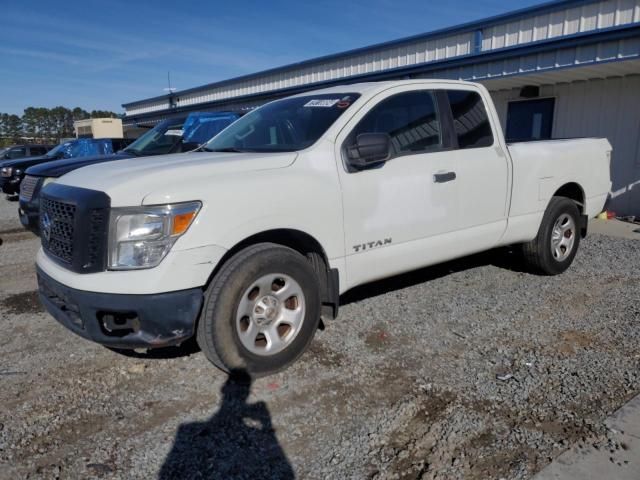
x=305, y=196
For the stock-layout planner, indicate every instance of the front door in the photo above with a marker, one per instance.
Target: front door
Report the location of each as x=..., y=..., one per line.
x=390, y=210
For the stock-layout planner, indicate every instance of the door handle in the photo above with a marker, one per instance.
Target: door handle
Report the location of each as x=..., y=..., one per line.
x=444, y=177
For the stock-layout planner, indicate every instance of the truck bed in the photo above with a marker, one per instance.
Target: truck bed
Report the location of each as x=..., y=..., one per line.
x=540, y=168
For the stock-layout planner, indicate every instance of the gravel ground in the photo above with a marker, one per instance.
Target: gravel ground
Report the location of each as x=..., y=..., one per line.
x=8, y=213
x=473, y=369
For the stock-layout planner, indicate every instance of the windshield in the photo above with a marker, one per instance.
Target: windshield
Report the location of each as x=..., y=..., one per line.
x=159, y=140
x=82, y=147
x=55, y=151
x=284, y=125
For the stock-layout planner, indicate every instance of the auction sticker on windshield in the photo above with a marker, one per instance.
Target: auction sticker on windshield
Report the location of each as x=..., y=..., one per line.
x=176, y=133
x=322, y=103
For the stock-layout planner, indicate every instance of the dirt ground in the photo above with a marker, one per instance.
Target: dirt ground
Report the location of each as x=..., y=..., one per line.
x=473, y=369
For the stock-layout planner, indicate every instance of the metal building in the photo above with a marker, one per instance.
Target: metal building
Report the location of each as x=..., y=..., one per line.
x=561, y=69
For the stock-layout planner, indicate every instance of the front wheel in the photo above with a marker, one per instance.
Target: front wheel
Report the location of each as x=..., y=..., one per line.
x=261, y=310
x=556, y=245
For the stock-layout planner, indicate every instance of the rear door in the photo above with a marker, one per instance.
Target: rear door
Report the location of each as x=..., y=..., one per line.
x=482, y=168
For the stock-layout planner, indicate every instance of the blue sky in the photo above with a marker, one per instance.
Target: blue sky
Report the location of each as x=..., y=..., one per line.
x=100, y=54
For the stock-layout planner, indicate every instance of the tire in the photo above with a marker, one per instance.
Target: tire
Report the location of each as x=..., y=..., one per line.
x=249, y=322
x=551, y=253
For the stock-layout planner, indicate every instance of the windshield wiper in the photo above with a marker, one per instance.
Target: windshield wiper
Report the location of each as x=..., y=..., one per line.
x=224, y=150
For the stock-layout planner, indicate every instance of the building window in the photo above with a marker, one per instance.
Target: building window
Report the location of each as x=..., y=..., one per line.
x=85, y=132
x=530, y=119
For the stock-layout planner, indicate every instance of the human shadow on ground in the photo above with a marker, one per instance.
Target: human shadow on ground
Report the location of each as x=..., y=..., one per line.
x=237, y=442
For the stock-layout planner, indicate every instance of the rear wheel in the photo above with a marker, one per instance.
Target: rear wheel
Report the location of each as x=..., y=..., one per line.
x=556, y=245
x=261, y=310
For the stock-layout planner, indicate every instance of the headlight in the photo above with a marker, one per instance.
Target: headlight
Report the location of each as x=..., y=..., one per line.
x=140, y=237
x=6, y=171
x=17, y=172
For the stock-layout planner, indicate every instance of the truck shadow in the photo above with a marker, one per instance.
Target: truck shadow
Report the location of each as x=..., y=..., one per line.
x=507, y=258
x=237, y=442
x=188, y=347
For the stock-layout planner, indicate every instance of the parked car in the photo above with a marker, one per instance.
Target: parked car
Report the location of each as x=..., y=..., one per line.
x=248, y=243
x=20, y=151
x=13, y=171
x=175, y=135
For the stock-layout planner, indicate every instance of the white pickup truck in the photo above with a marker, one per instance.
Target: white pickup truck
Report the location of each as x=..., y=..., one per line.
x=247, y=243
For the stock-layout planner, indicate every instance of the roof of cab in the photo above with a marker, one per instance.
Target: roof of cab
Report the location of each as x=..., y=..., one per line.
x=374, y=87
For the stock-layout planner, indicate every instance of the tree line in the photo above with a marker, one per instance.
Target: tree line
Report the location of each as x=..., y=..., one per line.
x=47, y=125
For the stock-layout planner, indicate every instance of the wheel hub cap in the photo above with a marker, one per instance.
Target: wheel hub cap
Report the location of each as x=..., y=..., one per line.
x=266, y=310
x=563, y=237
x=270, y=314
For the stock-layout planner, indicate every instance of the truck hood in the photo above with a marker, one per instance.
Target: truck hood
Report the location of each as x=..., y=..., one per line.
x=25, y=162
x=129, y=181
x=57, y=168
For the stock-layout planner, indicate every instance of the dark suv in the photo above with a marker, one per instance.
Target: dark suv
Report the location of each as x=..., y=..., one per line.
x=21, y=151
x=12, y=171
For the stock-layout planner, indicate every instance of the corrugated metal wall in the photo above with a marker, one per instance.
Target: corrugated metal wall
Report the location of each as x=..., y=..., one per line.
x=537, y=64
x=601, y=108
x=149, y=107
x=583, y=18
x=423, y=50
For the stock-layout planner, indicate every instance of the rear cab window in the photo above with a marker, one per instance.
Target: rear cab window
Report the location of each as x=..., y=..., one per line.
x=470, y=119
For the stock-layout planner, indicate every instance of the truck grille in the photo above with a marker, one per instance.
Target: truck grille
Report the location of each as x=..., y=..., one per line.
x=95, y=246
x=27, y=187
x=74, y=224
x=57, y=223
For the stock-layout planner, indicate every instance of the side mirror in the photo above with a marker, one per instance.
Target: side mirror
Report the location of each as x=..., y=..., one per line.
x=370, y=149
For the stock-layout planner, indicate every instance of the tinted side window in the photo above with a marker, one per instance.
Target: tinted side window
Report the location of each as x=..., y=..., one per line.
x=470, y=119
x=118, y=144
x=411, y=120
x=38, y=151
x=18, y=152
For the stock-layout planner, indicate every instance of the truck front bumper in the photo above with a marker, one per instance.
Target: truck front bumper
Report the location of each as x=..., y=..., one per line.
x=29, y=213
x=123, y=320
x=10, y=185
